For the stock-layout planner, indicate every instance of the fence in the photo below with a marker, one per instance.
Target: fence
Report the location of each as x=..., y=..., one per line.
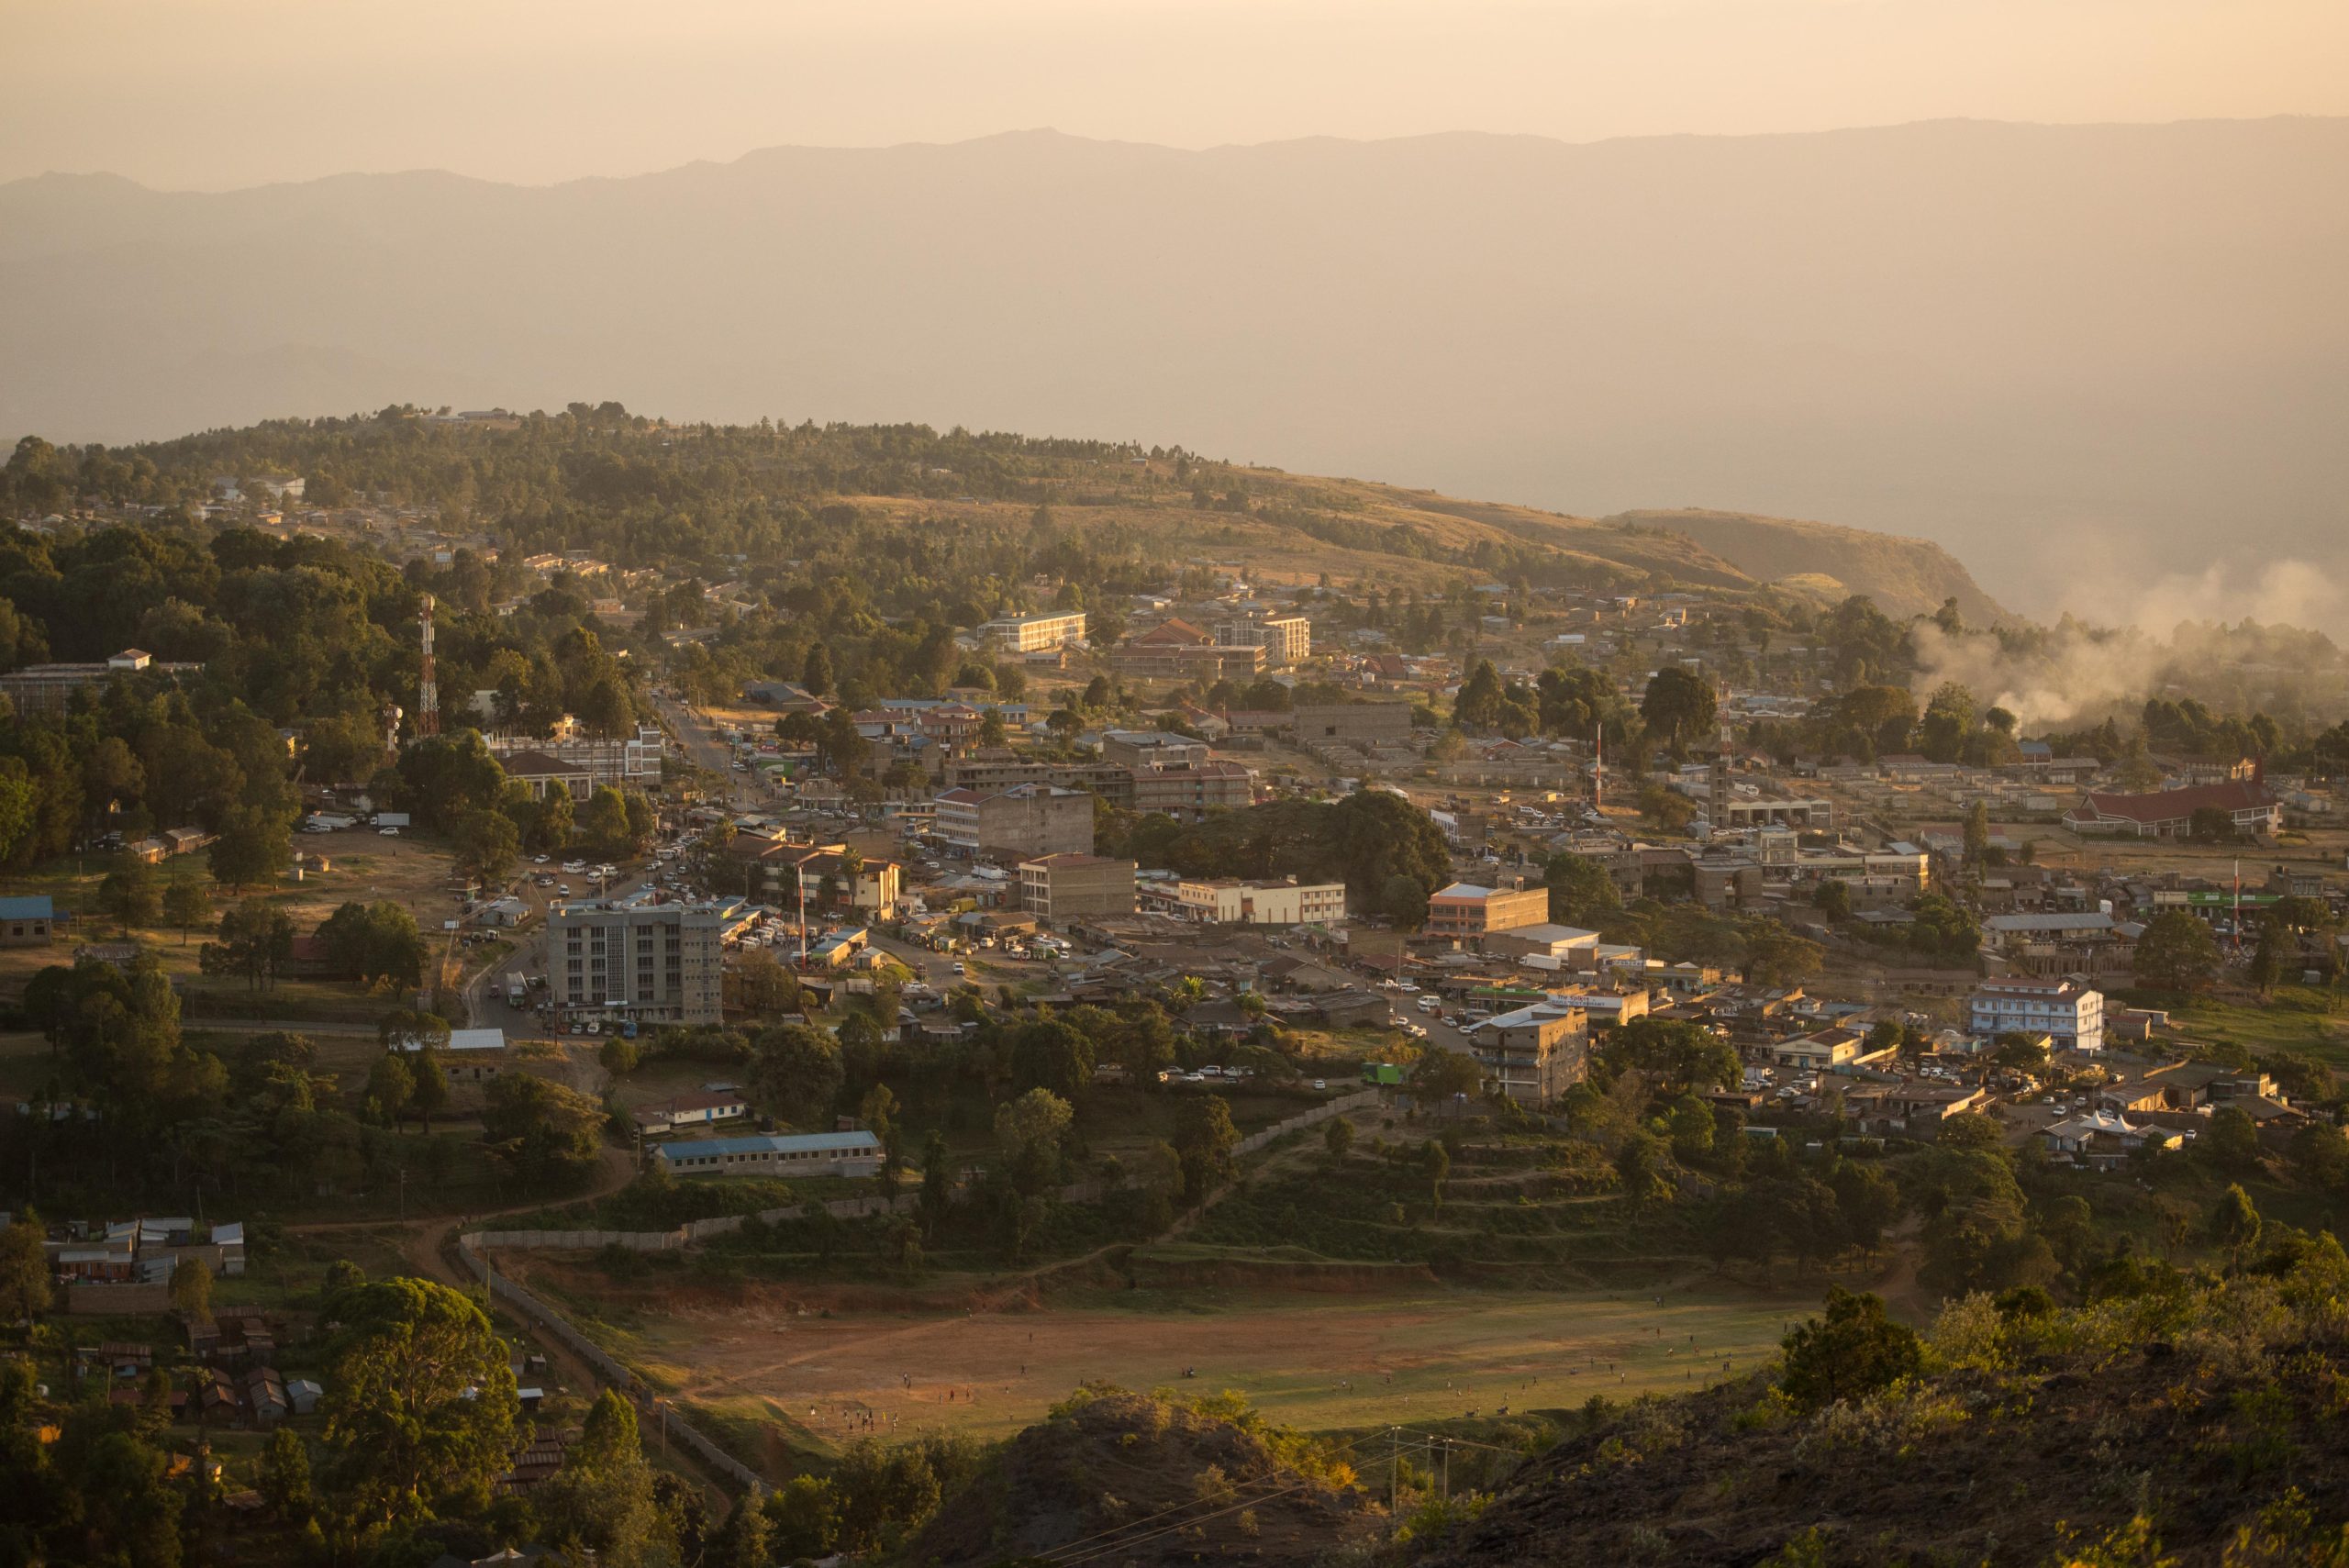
x=1320, y=1113
x=546, y=1319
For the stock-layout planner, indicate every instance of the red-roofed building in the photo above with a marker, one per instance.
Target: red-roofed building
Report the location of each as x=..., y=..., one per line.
x=2169, y=814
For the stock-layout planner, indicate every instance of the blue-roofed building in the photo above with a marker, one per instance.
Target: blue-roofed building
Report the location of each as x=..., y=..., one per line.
x=773, y=1154
x=27, y=922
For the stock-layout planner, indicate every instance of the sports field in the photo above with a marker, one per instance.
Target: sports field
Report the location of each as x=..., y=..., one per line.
x=1313, y=1359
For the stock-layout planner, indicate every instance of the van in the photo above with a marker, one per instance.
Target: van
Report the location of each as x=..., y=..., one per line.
x=1429, y=1004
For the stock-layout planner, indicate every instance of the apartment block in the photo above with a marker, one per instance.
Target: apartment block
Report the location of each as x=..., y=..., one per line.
x=1070, y=887
x=1020, y=822
x=1034, y=634
x=652, y=962
x=2072, y=1013
x=1534, y=1054
x=1354, y=724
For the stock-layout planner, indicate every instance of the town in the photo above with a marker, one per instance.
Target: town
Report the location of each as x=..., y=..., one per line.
x=1001, y=876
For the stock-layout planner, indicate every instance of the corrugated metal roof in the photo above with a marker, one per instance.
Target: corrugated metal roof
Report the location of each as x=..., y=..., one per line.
x=772, y=1143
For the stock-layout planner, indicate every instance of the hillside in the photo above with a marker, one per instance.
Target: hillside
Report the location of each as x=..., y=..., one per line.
x=2189, y=1424
x=2008, y=339
x=1904, y=576
x=1138, y=1480
x=622, y=488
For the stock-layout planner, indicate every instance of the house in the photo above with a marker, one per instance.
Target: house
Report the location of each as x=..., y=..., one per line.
x=2103, y=1140
x=266, y=1397
x=305, y=1395
x=2245, y=804
x=27, y=922
x=1827, y=1049
x=699, y=1109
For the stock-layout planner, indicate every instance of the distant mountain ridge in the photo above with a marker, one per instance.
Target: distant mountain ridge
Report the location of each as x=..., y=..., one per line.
x=2120, y=341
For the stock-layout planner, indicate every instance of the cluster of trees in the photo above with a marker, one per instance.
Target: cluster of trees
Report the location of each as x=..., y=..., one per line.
x=1372, y=841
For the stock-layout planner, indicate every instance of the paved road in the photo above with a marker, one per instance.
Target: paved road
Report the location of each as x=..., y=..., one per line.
x=697, y=734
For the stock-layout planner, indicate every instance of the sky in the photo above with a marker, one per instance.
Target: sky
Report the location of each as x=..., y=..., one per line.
x=210, y=95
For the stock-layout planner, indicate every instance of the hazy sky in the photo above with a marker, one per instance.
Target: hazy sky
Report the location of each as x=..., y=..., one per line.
x=209, y=93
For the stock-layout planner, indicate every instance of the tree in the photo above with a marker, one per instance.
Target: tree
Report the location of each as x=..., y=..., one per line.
x=1338, y=1137
x=1852, y=1351
x=1582, y=893
x=191, y=1291
x=2266, y=965
x=2022, y=1053
x=1203, y=1139
x=2234, y=1224
x=1435, y=1164
x=285, y=1480
x=1030, y=1130
x=1049, y=1054
x=796, y=1073
x=1404, y=900
x=487, y=844
x=2233, y=1142
x=128, y=893
x=804, y=1518
x=550, y=1133
x=2176, y=952
x=421, y=1402
x=1678, y=705
x=24, y=1268
x=429, y=1085
x=1676, y=1056
x=600, y=1502
x=816, y=674
x=390, y=1085
x=1444, y=1074
x=375, y=942
x=187, y=903
x=256, y=940
x=937, y=1181
x=252, y=848
x=1978, y=832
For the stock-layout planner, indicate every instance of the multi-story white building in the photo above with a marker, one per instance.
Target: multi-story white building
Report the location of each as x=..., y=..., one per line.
x=654, y=962
x=1228, y=901
x=1286, y=640
x=2070, y=1012
x=1034, y=634
x=632, y=760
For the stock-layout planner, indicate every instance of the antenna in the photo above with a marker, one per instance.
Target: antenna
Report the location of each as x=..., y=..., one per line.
x=427, y=690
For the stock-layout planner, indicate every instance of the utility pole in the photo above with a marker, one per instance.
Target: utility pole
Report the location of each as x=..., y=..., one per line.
x=1394, y=1470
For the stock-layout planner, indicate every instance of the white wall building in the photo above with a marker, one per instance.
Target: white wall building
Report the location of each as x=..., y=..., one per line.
x=2070, y=1012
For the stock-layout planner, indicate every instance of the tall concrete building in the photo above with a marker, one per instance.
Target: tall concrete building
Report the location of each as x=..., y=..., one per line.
x=1354, y=723
x=1020, y=823
x=1535, y=1053
x=1034, y=634
x=657, y=963
x=1064, y=887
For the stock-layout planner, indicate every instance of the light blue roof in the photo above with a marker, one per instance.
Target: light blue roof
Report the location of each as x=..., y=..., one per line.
x=772, y=1143
x=33, y=908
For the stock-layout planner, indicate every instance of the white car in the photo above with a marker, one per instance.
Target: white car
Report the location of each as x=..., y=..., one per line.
x=387, y=832
x=537, y=859
x=1405, y=986
x=960, y=970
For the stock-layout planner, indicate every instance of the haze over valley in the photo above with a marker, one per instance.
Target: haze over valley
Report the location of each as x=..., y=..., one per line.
x=2026, y=343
